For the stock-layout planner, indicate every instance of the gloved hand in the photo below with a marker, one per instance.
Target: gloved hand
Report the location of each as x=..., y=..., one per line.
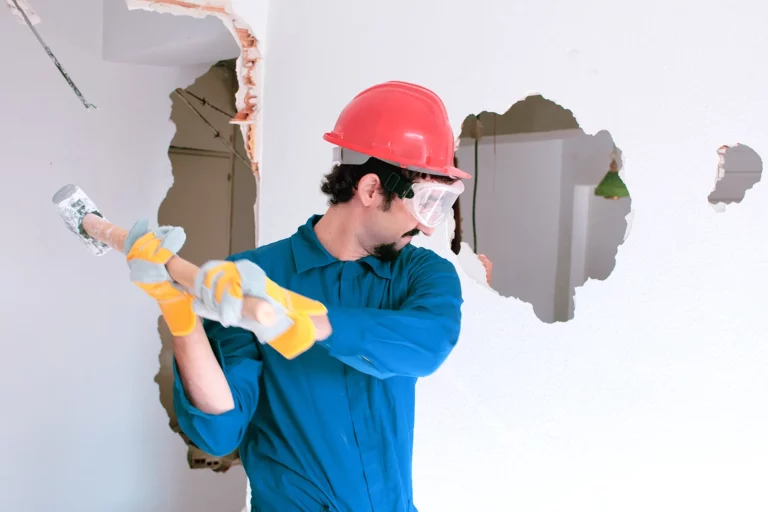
x=147, y=252
x=220, y=287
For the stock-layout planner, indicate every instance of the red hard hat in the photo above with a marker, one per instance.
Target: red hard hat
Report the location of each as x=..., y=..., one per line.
x=399, y=122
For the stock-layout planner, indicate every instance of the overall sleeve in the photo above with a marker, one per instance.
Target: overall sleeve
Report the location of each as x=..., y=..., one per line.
x=411, y=341
x=237, y=351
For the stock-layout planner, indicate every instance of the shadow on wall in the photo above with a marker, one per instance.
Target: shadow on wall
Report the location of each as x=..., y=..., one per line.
x=546, y=209
x=213, y=198
x=739, y=169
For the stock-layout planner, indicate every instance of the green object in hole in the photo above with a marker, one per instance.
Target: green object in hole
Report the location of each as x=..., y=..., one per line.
x=612, y=186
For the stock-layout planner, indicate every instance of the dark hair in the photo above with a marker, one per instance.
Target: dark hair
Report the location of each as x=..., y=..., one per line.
x=341, y=183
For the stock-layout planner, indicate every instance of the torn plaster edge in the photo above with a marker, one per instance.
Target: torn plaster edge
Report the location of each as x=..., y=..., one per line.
x=630, y=216
x=618, y=152
x=222, y=10
x=250, y=71
x=722, y=155
x=719, y=207
x=472, y=266
x=479, y=126
x=248, y=65
x=469, y=261
x=474, y=286
x=621, y=158
x=196, y=9
x=721, y=151
x=32, y=16
x=508, y=107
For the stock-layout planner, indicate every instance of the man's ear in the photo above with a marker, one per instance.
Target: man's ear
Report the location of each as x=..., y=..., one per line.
x=368, y=188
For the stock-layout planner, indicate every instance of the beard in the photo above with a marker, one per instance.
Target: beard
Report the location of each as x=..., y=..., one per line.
x=389, y=252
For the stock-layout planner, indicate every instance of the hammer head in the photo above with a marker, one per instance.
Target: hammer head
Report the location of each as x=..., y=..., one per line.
x=73, y=205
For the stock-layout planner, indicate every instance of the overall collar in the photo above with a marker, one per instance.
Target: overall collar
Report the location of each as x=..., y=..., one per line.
x=309, y=253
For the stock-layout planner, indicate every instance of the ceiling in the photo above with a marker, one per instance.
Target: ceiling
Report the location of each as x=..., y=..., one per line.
x=159, y=39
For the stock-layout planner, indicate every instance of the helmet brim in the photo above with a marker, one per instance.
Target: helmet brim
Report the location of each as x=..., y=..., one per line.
x=450, y=171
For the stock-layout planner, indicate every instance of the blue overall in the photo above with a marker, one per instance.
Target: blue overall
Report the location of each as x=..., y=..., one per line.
x=332, y=430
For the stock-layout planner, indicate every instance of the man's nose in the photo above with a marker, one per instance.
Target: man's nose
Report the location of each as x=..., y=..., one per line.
x=425, y=230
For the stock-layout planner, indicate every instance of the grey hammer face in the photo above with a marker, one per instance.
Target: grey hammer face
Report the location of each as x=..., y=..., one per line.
x=73, y=205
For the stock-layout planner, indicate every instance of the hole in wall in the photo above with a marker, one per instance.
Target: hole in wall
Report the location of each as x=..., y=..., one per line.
x=213, y=197
x=739, y=169
x=546, y=208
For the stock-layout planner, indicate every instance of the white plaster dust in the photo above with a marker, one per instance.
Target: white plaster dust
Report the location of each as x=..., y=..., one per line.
x=73, y=205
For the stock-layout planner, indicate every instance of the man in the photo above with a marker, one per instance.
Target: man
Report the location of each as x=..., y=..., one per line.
x=331, y=429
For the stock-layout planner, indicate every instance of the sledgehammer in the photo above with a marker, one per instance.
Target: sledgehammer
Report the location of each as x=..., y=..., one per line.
x=99, y=235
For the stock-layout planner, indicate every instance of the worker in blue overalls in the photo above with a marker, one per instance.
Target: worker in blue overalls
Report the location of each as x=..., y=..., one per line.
x=332, y=428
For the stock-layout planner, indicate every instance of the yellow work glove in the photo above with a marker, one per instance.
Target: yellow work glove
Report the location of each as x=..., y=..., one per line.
x=221, y=286
x=293, y=302
x=299, y=309
x=147, y=252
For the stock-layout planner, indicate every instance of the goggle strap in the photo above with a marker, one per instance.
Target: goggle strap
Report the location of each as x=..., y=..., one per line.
x=393, y=182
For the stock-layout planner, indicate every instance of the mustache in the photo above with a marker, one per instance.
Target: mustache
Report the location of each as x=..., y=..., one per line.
x=413, y=232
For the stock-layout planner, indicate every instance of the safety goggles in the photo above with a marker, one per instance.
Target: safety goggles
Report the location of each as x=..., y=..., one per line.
x=432, y=202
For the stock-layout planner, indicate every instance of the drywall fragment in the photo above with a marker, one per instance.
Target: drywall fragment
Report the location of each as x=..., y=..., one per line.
x=196, y=9
x=546, y=204
x=17, y=6
x=739, y=169
x=248, y=65
x=472, y=264
x=198, y=459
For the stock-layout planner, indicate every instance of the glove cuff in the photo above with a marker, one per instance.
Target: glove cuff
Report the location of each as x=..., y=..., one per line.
x=175, y=304
x=293, y=301
x=297, y=339
x=179, y=315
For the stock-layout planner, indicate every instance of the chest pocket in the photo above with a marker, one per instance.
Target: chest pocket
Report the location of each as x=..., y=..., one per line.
x=360, y=286
x=349, y=284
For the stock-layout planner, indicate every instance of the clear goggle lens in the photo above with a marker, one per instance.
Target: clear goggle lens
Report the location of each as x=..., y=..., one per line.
x=432, y=202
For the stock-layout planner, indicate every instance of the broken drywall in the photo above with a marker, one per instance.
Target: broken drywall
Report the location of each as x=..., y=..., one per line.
x=249, y=65
x=547, y=200
x=650, y=398
x=213, y=198
x=739, y=169
x=87, y=432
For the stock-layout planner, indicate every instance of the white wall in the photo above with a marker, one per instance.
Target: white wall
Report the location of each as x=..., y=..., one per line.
x=653, y=396
x=82, y=426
